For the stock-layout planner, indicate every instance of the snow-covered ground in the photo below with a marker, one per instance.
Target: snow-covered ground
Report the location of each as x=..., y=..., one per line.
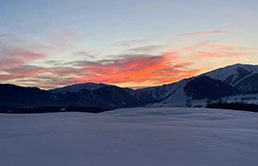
x=131, y=137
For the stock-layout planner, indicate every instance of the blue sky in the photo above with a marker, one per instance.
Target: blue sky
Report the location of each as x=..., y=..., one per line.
x=69, y=31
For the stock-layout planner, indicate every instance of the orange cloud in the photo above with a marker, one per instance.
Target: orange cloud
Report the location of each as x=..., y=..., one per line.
x=140, y=70
x=130, y=70
x=134, y=70
x=127, y=70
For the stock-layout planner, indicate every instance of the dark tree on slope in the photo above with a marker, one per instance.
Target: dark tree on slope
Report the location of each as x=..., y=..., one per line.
x=188, y=103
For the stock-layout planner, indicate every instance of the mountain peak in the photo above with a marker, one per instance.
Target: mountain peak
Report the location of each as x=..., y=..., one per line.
x=79, y=87
x=235, y=75
x=241, y=65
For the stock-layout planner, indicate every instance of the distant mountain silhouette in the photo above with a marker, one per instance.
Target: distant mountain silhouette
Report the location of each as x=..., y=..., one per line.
x=12, y=95
x=223, y=83
x=79, y=87
x=106, y=97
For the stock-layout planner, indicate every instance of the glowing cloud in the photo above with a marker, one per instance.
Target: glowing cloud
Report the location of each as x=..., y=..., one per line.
x=139, y=67
x=142, y=70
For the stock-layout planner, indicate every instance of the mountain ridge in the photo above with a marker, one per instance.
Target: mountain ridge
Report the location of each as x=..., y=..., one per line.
x=221, y=83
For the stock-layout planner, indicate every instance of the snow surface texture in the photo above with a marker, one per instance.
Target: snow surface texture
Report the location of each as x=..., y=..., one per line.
x=131, y=137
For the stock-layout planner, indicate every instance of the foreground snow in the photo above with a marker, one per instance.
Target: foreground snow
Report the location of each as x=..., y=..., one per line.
x=131, y=137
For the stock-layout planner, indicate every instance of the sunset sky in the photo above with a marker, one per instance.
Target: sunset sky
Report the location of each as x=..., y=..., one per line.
x=129, y=43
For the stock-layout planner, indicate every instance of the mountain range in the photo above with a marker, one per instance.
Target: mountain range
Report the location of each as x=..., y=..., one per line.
x=237, y=82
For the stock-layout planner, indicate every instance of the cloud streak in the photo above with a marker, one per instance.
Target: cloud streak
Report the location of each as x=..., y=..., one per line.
x=130, y=43
x=146, y=49
x=203, y=33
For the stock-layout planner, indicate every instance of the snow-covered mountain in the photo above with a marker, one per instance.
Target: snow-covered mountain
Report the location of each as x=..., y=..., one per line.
x=223, y=83
x=78, y=87
x=106, y=97
x=197, y=91
x=243, y=77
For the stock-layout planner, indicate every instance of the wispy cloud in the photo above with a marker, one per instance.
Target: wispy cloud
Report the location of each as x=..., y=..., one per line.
x=203, y=33
x=10, y=63
x=146, y=49
x=64, y=37
x=130, y=43
x=219, y=54
x=25, y=55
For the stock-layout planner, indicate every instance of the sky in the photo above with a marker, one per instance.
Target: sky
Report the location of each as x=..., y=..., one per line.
x=129, y=43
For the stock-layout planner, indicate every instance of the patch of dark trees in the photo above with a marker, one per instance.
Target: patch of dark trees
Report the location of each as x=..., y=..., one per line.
x=49, y=109
x=234, y=106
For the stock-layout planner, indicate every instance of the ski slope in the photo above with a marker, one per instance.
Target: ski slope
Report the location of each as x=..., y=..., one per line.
x=131, y=137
